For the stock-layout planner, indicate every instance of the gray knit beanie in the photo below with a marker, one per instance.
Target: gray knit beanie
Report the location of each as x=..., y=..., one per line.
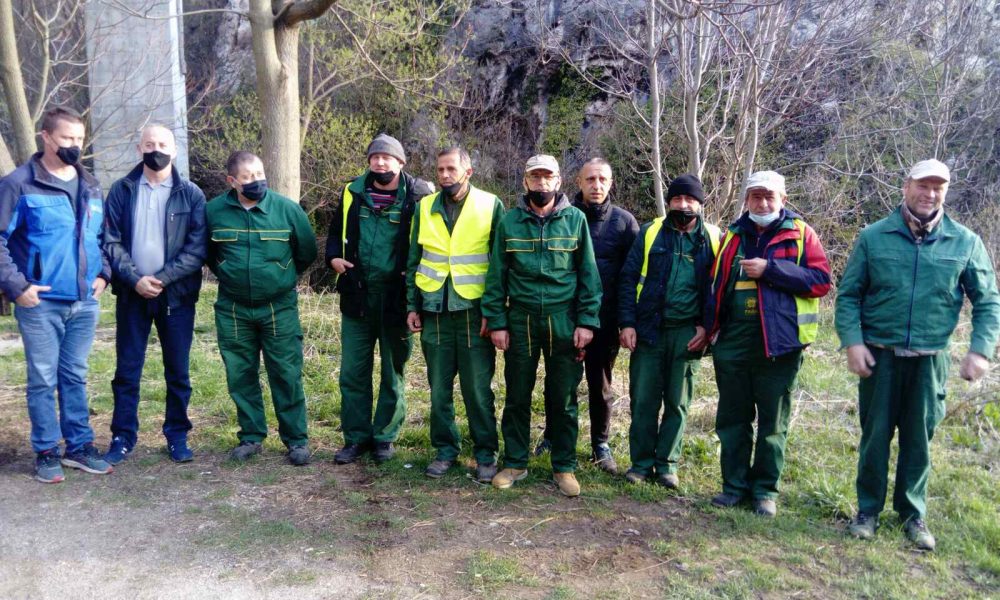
x=386, y=144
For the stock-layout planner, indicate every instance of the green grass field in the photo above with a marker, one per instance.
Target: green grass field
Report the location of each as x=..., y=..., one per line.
x=615, y=541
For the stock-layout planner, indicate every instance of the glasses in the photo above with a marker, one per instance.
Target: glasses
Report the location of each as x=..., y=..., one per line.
x=538, y=178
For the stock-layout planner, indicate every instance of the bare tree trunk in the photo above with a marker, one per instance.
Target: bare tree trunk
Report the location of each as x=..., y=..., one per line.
x=275, y=52
x=6, y=162
x=13, y=86
x=654, y=94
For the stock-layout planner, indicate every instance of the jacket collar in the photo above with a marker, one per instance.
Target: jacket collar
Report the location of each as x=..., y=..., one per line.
x=358, y=185
x=944, y=229
x=594, y=212
x=40, y=175
x=263, y=206
x=562, y=203
x=133, y=177
x=784, y=221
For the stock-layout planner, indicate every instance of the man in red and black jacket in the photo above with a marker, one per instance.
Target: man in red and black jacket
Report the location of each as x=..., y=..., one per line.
x=762, y=311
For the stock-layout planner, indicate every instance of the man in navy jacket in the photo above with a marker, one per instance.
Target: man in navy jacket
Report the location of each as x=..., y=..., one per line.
x=51, y=265
x=156, y=243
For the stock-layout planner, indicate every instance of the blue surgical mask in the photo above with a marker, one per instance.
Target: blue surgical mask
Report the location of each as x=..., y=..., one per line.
x=765, y=220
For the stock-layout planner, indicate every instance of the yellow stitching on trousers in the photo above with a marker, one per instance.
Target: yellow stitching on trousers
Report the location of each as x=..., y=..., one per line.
x=527, y=324
x=274, y=326
x=550, y=335
x=236, y=328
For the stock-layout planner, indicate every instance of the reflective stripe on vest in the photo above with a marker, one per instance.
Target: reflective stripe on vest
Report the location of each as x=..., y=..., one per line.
x=651, y=233
x=463, y=253
x=346, y=203
x=807, y=308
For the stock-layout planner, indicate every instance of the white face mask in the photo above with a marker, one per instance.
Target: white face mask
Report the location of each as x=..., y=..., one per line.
x=765, y=220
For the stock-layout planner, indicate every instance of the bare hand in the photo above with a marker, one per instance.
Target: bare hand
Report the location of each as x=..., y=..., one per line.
x=99, y=285
x=147, y=287
x=340, y=265
x=413, y=321
x=626, y=337
x=582, y=337
x=29, y=298
x=500, y=339
x=754, y=267
x=860, y=360
x=483, y=331
x=974, y=366
x=699, y=341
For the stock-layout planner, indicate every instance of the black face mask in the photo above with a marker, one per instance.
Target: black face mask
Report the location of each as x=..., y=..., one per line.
x=156, y=160
x=541, y=199
x=255, y=190
x=452, y=190
x=681, y=218
x=69, y=155
x=384, y=178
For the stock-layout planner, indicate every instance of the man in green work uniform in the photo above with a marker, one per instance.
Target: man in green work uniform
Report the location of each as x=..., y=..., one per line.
x=762, y=311
x=543, y=296
x=897, y=305
x=260, y=243
x=662, y=289
x=445, y=279
x=368, y=245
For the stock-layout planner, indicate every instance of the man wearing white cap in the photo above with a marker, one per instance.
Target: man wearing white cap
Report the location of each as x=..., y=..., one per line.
x=763, y=310
x=542, y=298
x=897, y=306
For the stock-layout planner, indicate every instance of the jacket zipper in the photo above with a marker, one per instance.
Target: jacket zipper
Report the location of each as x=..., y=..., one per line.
x=913, y=290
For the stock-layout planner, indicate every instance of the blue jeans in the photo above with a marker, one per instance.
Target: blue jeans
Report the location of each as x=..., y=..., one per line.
x=135, y=316
x=57, y=337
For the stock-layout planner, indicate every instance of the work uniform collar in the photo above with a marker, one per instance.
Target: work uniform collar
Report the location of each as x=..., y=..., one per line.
x=594, y=212
x=439, y=200
x=784, y=221
x=562, y=203
x=918, y=227
x=232, y=198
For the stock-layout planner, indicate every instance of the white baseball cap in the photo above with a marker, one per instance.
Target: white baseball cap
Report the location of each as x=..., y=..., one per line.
x=769, y=180
x=542, y=161
x=930, y=168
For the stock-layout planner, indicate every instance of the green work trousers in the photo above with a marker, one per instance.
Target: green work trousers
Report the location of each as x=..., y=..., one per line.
x=660, y=376
x=904, y=394
x=531, y=337
x=749, y=387
x=272, y=329
x=358, y=338
x=452, y=346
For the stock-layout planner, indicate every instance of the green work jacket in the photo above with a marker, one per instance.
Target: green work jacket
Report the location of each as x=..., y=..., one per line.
x=419, y=300
x=258, y=254
x=543, y=266
x=906, y=293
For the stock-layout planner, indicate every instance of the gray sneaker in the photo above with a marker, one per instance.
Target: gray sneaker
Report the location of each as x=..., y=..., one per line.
x=438, y=468
x=863, y=526
x=89, y=460
x=765, y=507
x=47, y=467
x=668, y=480
x=486, y=473
x=917, y=532
x=299, y=455
x=604, y=460
x=245, y=450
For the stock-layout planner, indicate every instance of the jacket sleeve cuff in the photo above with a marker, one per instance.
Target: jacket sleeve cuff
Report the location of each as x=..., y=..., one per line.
x=853, y=338
x=980, y=346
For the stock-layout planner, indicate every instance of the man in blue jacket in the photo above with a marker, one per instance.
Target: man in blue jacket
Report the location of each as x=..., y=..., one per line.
x=155, y=241
x=51, y=223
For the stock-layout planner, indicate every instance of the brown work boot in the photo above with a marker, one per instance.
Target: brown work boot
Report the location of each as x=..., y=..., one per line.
x=567, y=483
x=506, y=478
x=668, y=480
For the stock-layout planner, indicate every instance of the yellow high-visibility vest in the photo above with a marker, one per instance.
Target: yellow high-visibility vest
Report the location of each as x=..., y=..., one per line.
x=464, y=254
x=652, y=232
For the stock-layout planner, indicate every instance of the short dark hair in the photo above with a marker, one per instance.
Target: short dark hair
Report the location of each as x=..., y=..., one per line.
x=463, y=157
x=238, y=159
x=51, y=118
x=598, y=161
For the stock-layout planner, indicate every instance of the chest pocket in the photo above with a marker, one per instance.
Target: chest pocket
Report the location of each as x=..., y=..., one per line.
x=888, y=269
x=275, y=245
x=50, y=215
x=559, y=255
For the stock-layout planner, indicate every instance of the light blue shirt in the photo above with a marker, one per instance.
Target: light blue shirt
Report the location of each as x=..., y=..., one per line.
x=149, y=226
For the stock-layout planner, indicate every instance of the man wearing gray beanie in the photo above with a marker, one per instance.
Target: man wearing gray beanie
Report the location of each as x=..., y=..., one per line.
x=367, y=247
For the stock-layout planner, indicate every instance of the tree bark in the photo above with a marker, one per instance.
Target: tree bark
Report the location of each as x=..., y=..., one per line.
x=657, y=109
x=6, y=161
x=13, y=86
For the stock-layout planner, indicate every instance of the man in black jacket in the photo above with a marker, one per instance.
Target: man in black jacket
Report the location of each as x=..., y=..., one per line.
x=613, y=229
x=156, y=243
x=367, y=246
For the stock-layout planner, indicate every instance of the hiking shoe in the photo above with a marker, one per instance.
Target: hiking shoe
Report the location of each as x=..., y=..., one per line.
x=917, y=532
x=668, y=480
x=438, y=468
x=635, y=477
x=47, y=467
x=383, y=451
x=486, y=472
x=567, y=483
x=245, y=450
x=765, y=507
x=726, y=500
x=179, y=451
x=506, y=478
x=863, y=526
x=117, y=451
x=87, y=459
x=603, y=459
x=543, y=447
x=299, y=455
x=349, y=453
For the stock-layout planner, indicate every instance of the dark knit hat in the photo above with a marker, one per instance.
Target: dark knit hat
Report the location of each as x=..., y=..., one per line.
x=386, y=144
x=687, y=185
